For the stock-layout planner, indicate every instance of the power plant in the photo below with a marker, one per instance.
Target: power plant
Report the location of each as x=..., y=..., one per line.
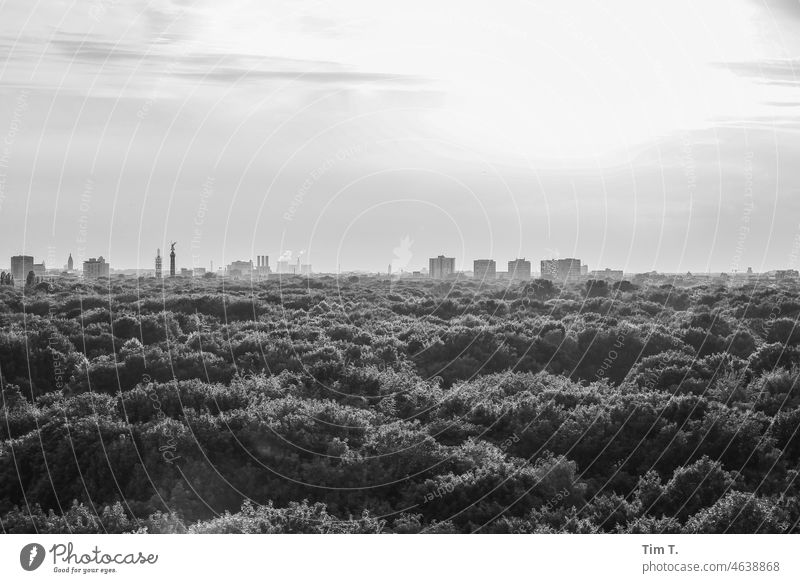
x=262, y=266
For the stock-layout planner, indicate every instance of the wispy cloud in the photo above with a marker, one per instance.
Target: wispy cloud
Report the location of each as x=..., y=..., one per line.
x=227, y=75
x=87, y=64
x=770, y=71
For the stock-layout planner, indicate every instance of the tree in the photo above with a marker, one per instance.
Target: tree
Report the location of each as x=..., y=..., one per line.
x=696, y=486
x=596, y=288
x=738, y=513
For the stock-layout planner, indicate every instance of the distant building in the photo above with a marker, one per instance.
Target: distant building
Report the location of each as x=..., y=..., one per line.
x=199, y=271
x=442, y=267
x=94, y=268
x=240, y=270
x=519, y=270
x=39, y=269
x=186, y=272
x=285, y=267
x=787, y=274
x=584, y=270
x=561, y=270
x=21, y=265
x=70, y=263
x=305, y=269
x=158, y=264
x=607, y=274
x=483, y=269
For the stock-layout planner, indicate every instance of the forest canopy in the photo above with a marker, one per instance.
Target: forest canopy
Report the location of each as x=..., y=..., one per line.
x=375, y=406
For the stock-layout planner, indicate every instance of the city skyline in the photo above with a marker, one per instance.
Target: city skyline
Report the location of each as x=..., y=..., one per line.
x=418, y=260
x=556, y=268
x=341, y=132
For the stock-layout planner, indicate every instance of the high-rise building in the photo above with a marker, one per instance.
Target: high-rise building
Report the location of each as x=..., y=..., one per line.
x=172, y=259
x=158, y=263
x=442, y=267
x=561, y=270
x=70, y=263
x=484, y=269
x=94, y=268
x=519, y=269
x=285, y=268
x=21, y=265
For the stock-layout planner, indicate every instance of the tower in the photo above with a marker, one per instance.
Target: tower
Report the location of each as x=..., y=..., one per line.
x=70, y=264
x=158, y=263
x=172, y=259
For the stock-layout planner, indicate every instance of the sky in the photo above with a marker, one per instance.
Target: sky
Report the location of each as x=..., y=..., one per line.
x=356, y=135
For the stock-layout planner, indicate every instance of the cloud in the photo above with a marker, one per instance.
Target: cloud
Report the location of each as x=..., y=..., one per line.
x=219, y=68
x=93, y=51
x=770, y=71
x=344, y=77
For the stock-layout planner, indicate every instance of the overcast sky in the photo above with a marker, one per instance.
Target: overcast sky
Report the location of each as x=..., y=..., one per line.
x=633, y=135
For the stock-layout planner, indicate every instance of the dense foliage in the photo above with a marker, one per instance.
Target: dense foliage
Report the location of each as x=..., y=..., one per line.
x=360, y=405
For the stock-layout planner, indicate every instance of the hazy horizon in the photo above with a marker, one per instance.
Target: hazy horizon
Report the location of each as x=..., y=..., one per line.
x=631, y=136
